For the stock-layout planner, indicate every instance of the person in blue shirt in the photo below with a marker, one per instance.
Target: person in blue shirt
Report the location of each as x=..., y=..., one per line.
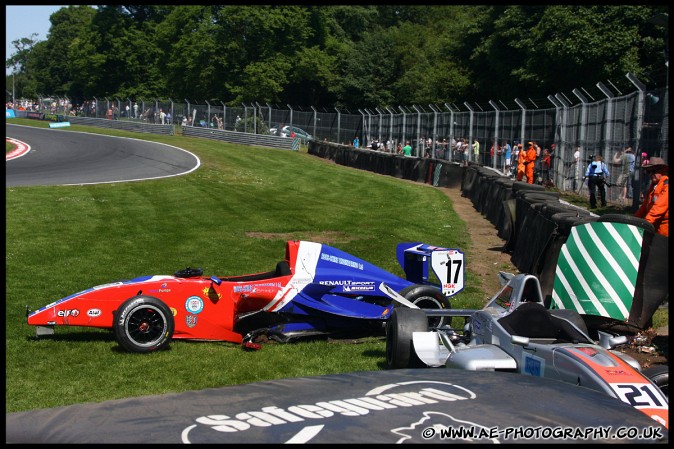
x=356, y=142
x=506, y=158
x=597, y=173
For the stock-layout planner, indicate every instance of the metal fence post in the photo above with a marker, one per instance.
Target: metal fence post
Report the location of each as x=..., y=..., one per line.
x=560, y=140
x=496, y=125
x=339, y=124
x=608, y=132
x=641, y=88
x=470, y=132
x=291, y=115
x=420, y=144
x=315, y=120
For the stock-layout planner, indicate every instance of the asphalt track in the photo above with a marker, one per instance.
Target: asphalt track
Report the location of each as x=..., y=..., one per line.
x=60, y=157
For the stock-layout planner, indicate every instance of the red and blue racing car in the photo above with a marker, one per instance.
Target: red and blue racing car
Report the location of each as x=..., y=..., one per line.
x=315, y=290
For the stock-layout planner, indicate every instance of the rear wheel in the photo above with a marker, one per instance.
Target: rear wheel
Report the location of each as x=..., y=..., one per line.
x=659, y=374
x=143, y=324
x=427, y=297
x=399, y=329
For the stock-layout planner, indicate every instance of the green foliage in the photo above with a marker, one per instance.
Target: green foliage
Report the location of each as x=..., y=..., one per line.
x=340, y=55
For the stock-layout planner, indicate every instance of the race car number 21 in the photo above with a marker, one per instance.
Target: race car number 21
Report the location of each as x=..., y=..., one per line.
x=448, y=266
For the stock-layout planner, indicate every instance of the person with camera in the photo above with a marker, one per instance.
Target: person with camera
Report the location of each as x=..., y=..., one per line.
x=655, y=207
x=597, y=173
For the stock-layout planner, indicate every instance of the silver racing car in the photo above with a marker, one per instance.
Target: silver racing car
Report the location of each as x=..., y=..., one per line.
x=516, y=333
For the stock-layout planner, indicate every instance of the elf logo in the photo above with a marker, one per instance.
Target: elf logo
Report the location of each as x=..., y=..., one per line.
x=70, y=312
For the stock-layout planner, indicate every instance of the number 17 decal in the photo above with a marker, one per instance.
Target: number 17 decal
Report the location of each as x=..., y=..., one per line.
x=449, y=267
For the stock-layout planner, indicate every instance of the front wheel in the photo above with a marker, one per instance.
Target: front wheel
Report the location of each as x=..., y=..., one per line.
x=427, y=297
x=659, y=375
x=400, y=326
x=143, y=324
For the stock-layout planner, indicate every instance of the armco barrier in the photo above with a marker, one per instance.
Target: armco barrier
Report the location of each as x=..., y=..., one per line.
x=125, y=125
x=429, y=171
x=261, y=140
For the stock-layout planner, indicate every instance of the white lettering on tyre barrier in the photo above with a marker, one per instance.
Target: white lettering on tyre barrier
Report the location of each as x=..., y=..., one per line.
x=380, y=399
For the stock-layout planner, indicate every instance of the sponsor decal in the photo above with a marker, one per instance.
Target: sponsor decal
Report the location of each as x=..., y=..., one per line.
x=534, y=366
x=68, y=312
x=352, y=286
x=93, y=313
x=211, y=293
x=174, y=312
x=379, y=400
x=253, y=287
x=191, y=321
x=194, y=304
x=342, y=261
x=162, y=289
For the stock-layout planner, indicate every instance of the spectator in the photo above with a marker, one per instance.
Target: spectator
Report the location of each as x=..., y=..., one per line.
x=521, y=159
x=162, y=116
x=551, y=169
x=529, y=162
x=356, y=142
x=399, y=148
x=407, y=149
x=506, y=159
x=505, y=148
x=135, y=110
x=655, y=208
x=596, y=174
x=626, y=162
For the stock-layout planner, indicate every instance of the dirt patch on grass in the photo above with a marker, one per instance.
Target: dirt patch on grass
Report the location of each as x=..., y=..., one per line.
x=485, y=256
x=327, y=237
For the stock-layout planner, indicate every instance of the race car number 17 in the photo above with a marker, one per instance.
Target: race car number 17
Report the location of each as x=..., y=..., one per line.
x=448, y=266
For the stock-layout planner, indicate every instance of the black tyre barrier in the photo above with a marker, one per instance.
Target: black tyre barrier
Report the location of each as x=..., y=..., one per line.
x=551, y=209
x=505, y=228
x=468, y=181
x=501, y=191
x=483, y=199
x=520, y=185
x=533, y=196
x=534, y=236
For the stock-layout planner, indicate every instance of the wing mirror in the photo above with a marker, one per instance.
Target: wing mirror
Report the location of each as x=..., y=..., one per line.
x=609, y=341
x=518, y=340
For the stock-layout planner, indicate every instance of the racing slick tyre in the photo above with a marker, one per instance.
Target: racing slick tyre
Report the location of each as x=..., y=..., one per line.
x=143, y=324
x=399, y=328
x=427, y=297
x=659, y=374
